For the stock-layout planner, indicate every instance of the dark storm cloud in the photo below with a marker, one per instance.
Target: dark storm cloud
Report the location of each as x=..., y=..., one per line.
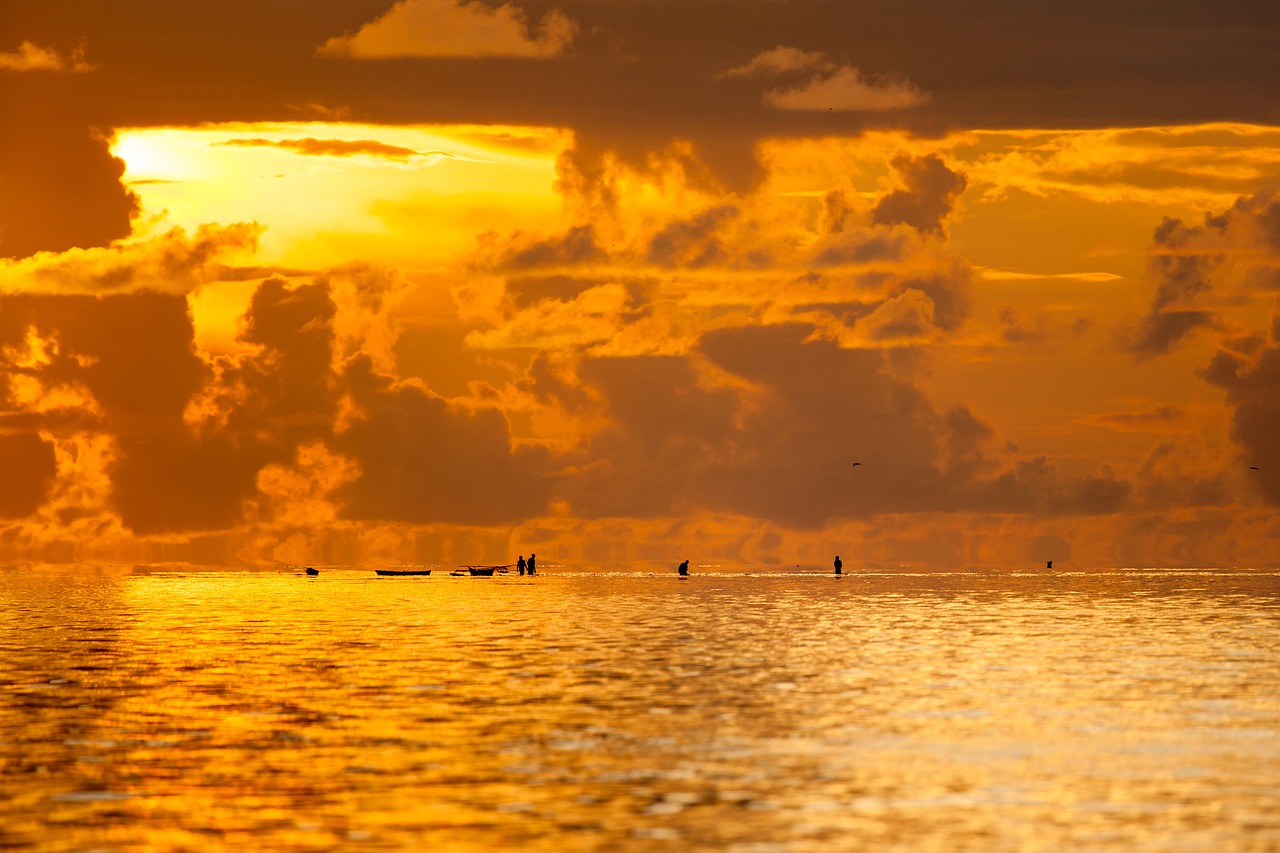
x=422, y=460
x=133, y=355
x=133, y=352
x=59, y=185
x=190, y=438
x=642, y=74
x=29, y=467
x=778, y=442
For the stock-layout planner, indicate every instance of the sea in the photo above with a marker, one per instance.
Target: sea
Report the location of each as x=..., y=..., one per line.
x=160, y=708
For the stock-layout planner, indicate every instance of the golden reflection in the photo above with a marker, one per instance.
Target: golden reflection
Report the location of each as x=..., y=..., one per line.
x=959, y=710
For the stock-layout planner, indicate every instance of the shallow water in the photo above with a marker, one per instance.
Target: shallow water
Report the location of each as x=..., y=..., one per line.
x=1133, y=710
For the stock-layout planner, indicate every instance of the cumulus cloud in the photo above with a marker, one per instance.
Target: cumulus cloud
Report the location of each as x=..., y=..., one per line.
x=423, y=460
x=62, y=186
x=1197, y=269
x=763, y=423
x=693, y=242
x=1251, y=380
x=32, y=57
x=576, y=246
x=28, y=464
x=1182, y=275
x=829, y=86
x=903, y=320
x=455, y=28
x=930, y=190
x=171, y=263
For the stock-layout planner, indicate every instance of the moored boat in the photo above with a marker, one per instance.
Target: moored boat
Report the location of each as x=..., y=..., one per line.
x=479, y=571
x=395, y=573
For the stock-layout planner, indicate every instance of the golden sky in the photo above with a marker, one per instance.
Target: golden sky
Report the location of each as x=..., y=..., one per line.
x=626, y=282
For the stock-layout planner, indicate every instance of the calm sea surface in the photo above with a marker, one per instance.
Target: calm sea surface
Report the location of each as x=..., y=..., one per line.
x=1120, y=710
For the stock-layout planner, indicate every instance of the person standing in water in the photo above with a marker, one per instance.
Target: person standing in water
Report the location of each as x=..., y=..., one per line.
x=684, y=569
x=839, y=565
x=531, y=566
x=520, y=565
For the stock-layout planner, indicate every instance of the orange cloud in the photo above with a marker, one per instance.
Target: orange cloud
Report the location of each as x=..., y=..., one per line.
x=338, y=148
x=454, y=28
x=1151, y=419
x=1199, y=269
x=779, y=61
x=171, y=263
x=829, y=87
x=32, y=57
x=846, y=90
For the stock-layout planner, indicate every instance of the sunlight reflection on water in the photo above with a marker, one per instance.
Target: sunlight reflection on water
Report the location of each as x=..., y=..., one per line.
x=964, y=711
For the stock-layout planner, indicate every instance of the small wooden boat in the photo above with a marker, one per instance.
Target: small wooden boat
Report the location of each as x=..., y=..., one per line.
x=312, y=572
x=479, y=571
x=396, y=573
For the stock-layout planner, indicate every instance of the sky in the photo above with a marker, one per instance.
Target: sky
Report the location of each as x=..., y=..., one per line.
x=627, y=282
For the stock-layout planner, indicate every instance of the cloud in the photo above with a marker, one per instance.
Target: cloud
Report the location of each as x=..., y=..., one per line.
x=576, y=246
x=29, y=469
x=829, y=87
x=61, y=185
x=930, y=192
x=339, y=148
x=779, y=61
x=1199, y=269
x=764, y=423
x=1008, y=275
x=1181, y=277
x=1151, y=418
x=32, y=57
x=1252, y=383
x=455, y=28
x=846, y=90
x=693, y=242
x=422, y=460
x=904, y=320
x=171, y=263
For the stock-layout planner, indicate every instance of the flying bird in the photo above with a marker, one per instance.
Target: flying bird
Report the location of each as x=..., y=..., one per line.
x=1251, y=467
x=856, y=464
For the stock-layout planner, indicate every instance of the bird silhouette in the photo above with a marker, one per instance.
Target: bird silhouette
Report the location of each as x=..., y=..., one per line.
x=1254, y=468
x=856, y=464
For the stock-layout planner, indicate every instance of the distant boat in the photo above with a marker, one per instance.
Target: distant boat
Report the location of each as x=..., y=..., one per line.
x=312, y=572
x=479, y=571
x=395, y=573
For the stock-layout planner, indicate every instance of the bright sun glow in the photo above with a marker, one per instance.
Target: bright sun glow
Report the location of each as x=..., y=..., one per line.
x=326, y=192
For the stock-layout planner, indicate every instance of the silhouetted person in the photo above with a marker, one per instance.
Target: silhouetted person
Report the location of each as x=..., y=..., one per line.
x=839, y=565
x=520, y=565
x=684, y=569
x=532, y=566
x=1049, y=565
